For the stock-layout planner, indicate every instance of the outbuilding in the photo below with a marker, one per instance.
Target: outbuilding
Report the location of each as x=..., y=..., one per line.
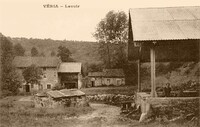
x=166, y=34
x=108, y=77
x=69, y=75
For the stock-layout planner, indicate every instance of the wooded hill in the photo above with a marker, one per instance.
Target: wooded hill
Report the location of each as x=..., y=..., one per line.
x=85, y=52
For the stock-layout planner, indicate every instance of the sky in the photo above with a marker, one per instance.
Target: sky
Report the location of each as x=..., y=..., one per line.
x=29, y=18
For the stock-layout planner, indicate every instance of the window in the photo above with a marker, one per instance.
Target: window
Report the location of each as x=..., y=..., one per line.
x=48, y=86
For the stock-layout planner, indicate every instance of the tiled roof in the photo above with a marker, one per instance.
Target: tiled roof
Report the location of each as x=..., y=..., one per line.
x=20, y=61
x=65, y=93
x=108, y=73
x=95, y=74
x=55, y=94
x=70, y=67
x=72, y=92
x=169, y=23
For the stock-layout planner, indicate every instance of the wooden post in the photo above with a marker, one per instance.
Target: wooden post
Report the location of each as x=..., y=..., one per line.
x=153, y=87
x=139, y=68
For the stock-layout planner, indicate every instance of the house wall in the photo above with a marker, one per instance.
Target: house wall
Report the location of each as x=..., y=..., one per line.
x=113, y=81
x=108, y=81
x=98, y=82
x=49, y=77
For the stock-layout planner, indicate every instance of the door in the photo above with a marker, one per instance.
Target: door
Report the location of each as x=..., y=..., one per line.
x=93, y=82
x=70, y=85
x=27, y=87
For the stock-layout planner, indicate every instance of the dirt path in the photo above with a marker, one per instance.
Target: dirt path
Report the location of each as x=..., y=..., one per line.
x=103, y=116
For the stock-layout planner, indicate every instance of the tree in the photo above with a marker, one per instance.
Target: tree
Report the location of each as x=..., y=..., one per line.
x=91, y=67
x=53, y=53
x=64, y=54
x=34, y=51
x=19, y=50
x=111, y=33
x=10, y=80
x=32, y=74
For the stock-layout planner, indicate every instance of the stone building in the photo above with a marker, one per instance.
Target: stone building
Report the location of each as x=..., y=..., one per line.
x=109, y=77
x=54, y=72
x=69, y=75
x=48, y=66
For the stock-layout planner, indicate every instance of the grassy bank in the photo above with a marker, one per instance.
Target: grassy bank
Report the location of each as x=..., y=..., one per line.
x=123, y=90
x=16, y=113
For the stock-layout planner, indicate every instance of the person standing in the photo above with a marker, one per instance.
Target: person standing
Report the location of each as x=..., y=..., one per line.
x=167, y=90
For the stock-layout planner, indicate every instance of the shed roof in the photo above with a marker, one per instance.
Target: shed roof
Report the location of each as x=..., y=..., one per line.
x=95, y=74
x=55, y=94
x=108, y=73
x=21, y=61
x=169, y=23
x=65, y=93
x=69, y=67
x=72, y=92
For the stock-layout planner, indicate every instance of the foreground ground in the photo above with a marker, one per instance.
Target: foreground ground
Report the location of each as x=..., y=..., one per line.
x=20, y=112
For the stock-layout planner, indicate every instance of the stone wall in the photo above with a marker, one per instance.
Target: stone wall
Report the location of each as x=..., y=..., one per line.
x=48, y=102
x=110, y=98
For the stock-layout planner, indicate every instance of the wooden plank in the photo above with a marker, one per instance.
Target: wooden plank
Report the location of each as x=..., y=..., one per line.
x=139, y=76
x=153, y=70
x=139, y=72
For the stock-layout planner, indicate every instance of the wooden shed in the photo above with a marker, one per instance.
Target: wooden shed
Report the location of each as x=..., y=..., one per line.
x=155, y=33
x=69, y=75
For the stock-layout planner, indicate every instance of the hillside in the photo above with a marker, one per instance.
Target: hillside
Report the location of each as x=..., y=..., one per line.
x=85, y=52
x=183, y=73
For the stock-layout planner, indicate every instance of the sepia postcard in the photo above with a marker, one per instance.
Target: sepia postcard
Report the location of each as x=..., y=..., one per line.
x=99, y=63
